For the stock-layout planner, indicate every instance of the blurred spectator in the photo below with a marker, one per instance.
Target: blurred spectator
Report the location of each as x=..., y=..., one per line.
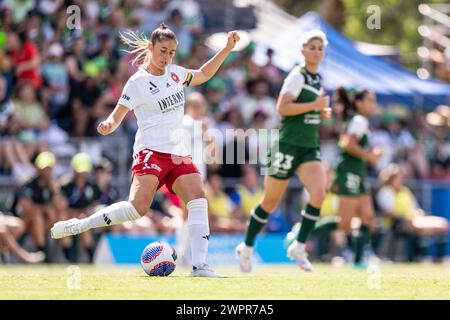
x=251, y=69
x=25, y=57
x=247, y=195
x=260, y=139
x=34, y=30
x=399, y=146
x=107, y=194
x=82, y=197
x=273, y=73
x=19, y=9
x=34, y=127
x=56, y=78
x=215, y=95
x=258, y=99
x=28, y=109
x=400, y=207
x=191, y=13
x=196, y=123
x=222, y=212
x=11, y=228
x=150, y=14
x=87, y=106
x=185, y=39
x=106, y=56
x=6, y=23
x=437, y=141
x=234, y=148
x=39, y=201
x=13, y=155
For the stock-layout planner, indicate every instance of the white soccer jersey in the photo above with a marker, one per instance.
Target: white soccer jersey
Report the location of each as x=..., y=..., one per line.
x=158, y=103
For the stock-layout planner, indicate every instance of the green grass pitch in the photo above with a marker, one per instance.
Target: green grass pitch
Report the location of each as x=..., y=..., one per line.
x=391, y=281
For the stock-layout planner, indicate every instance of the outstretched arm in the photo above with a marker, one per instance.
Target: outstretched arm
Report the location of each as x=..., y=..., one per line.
x=209, y=69
x=113, y=121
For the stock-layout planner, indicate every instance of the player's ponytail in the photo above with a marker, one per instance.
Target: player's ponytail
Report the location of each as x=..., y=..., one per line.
x=137, y=46
x=344, y=98
x=138, y=43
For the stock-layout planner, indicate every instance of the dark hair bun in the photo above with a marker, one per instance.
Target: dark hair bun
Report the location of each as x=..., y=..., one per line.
x=163, y=26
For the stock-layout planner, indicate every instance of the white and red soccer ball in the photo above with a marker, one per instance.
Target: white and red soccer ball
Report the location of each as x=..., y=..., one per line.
x=158, y=259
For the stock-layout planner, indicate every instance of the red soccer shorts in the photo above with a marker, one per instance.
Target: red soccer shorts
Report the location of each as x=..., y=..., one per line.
x=167, y=167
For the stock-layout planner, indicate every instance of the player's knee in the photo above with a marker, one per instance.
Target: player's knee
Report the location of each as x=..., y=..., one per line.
x=318, y=196
x=195, y=194
x=140, y=206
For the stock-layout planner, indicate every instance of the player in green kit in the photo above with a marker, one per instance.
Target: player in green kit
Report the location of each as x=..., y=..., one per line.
x=348, y=182
x=302, y=105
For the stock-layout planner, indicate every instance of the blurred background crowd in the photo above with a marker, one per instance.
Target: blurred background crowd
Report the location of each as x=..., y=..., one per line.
x=57, y=83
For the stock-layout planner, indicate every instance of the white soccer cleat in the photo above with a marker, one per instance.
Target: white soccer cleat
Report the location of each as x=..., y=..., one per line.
x=205, y=271
x=244, y=256
x=296, y=251
x=65, y=228
x=35, y=257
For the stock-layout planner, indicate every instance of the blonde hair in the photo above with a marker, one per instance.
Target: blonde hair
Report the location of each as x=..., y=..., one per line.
x=138, y=46
x=138, y=43
x=311, y=35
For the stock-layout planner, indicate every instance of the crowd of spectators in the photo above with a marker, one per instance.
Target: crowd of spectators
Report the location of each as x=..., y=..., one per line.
x=57, y=81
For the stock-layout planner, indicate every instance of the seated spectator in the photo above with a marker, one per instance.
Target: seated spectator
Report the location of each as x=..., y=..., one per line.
x=35, y=130
x=11, y=228
x=13, y=156
x=39, y=201
x=399, y=145
x=401, y=209
x=222, y=211
x=247, y=195
x=82, y=198
x=107, y=194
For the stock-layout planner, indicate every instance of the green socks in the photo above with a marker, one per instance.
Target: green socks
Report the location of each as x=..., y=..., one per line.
x=310, y=216
x=258, y=220
x=359, y=241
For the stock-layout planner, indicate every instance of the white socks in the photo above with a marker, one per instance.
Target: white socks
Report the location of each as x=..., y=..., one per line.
x=198, y=230
x=183, y=246
x=114, y=214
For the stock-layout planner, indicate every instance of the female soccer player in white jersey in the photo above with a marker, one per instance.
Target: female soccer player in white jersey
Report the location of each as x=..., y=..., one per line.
x=155, y=94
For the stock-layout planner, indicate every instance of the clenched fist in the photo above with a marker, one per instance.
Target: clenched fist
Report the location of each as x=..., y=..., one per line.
x=232, y=39
x=105, y=127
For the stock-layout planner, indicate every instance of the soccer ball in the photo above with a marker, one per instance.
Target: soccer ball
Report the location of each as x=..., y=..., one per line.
x=158, y=259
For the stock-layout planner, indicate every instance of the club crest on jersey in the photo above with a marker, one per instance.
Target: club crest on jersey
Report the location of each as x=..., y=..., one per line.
x=153, y=88
x=174, y=77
